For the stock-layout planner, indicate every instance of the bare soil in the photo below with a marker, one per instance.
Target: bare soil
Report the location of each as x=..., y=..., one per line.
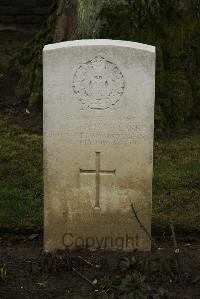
x=93, y=274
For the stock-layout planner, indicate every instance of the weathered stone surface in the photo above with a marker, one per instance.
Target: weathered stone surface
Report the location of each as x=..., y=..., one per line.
x=98, y=144
x=42, y=10
x=23, y=11
x=28, y=19
x=5, y=2
x=44, y=2
x=7, y=19
x=24, y=3
x=8, y=10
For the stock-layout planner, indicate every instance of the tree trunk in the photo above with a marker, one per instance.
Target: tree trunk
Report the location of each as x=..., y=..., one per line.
x=67, y=19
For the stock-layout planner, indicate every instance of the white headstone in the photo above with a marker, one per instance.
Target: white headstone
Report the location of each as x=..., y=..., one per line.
x=98, y=144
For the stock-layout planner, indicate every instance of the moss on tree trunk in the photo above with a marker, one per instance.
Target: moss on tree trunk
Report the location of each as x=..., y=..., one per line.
x=173, y=26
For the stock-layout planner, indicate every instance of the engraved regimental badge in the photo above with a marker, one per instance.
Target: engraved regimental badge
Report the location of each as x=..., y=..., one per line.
x=98, y=84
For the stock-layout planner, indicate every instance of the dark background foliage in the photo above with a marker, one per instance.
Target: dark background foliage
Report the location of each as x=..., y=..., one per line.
x=173, y=26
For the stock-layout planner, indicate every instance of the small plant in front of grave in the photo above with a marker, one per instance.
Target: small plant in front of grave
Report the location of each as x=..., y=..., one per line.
x=134, y=263
x=56, y=262
x=162, y=293
x=3, y=273
x=133, y=286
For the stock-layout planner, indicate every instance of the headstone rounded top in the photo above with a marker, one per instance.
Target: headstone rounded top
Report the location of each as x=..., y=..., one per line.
x=100, y=42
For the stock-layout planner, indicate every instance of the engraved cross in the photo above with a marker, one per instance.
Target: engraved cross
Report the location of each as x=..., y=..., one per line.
x=98, y=172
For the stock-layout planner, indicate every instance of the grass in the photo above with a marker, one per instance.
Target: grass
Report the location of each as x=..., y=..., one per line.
x=21, y=186
x=175, y=184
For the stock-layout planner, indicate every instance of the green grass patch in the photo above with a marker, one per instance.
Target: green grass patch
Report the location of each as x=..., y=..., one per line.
x=175, y=184
x=21, y=187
